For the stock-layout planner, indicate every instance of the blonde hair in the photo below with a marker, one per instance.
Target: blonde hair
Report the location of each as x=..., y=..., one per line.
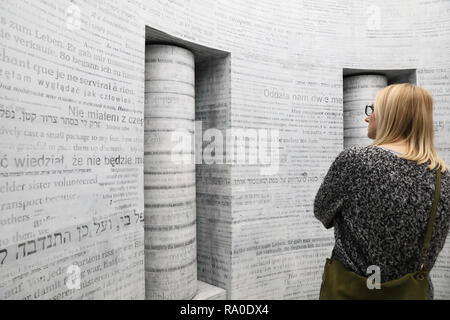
x=405, y=112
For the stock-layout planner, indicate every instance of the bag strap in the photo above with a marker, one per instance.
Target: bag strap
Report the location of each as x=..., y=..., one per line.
x=427, y=241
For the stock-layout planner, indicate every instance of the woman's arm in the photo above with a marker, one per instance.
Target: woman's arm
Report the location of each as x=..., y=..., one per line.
x=335, y=188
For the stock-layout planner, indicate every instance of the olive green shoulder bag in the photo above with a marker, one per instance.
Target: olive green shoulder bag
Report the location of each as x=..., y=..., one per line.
x=339, y=283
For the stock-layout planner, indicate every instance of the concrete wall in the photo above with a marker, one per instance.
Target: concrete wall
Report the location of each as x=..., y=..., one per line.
x=286, y=63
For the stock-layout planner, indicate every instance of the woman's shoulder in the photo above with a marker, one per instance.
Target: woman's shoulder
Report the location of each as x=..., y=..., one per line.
x=369, y=159
x=349, y=159
x=355, y=153
x=370, y=152
x=376, y=159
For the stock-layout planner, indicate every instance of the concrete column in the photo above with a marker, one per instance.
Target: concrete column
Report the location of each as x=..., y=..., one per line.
x=358, y=92
x=170, y=192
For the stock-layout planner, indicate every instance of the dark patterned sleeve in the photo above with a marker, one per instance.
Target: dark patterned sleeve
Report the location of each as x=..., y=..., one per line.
x=335, y=188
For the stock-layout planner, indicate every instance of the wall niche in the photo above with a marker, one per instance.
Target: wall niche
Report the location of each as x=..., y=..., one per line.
x=360, y=87
x=187, y=206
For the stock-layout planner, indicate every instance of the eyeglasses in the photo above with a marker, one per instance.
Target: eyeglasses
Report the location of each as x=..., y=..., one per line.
x=369, y=110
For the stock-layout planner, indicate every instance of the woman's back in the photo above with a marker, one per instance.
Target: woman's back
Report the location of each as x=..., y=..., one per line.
x=379, y=205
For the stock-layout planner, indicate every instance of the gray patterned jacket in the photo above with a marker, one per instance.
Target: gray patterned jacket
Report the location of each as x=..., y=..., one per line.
x=379, y=205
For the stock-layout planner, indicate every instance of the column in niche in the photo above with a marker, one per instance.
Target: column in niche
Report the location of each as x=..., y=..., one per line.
x=358, y=92
x=170, y=192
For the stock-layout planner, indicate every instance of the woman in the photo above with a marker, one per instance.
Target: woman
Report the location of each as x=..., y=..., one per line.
x=378, y=198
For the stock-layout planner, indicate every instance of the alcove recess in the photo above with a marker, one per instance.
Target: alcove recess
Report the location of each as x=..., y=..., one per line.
x=360, y=87
x=175, y=276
